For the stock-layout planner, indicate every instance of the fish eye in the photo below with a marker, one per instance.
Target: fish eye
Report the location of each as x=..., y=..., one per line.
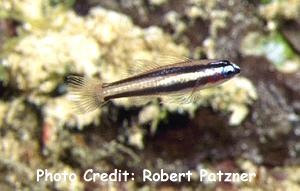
x=230, y=70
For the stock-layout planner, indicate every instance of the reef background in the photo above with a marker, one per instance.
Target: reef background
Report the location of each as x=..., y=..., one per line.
x=249, y=124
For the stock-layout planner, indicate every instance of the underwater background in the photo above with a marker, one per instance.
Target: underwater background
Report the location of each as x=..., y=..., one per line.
x=248, y=124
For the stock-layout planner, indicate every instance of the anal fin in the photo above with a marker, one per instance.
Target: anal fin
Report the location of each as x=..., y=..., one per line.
x=136, y=101
x=178, y=98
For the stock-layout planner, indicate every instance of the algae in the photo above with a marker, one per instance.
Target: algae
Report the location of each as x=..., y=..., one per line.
x=274, y=47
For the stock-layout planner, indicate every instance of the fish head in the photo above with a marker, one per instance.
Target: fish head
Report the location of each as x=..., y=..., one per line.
x=220, y=71
x=229, y=69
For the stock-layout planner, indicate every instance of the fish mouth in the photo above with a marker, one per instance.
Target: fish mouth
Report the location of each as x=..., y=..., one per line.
x=237, y=69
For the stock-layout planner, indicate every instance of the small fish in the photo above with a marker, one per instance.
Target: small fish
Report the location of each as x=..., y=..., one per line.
x=177, y=79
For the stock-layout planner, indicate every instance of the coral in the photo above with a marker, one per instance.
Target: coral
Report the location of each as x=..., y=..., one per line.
x=25, y=9
x=277, y=178
x=39, y=62
x=18, y=145
x=289, y=9
x=75, y=184
x=60, y=111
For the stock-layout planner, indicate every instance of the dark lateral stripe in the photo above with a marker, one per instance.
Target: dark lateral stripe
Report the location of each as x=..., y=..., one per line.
x=160, y=90
x=173, y=70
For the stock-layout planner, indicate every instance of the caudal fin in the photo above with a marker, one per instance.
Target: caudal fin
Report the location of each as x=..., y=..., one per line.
x=85, y=92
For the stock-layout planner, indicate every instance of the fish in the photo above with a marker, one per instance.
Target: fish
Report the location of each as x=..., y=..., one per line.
x=180, y=79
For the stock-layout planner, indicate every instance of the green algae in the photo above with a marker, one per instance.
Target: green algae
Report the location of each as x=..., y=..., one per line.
x=277, y=50
x=274, y=47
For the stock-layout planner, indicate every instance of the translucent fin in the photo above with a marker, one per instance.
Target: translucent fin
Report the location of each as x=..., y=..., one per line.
x=85, y=93
x=167, y=59
x=134, y=101
x=141, y=65
x=141, y=100
x=194, y=96
x=178, y=98
x=183, y=97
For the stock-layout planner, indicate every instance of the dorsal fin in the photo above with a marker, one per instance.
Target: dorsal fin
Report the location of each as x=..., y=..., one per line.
x=141, y=65
x=168, y=59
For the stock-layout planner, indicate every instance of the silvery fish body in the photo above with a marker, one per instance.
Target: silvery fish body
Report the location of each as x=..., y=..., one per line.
x=181, y=77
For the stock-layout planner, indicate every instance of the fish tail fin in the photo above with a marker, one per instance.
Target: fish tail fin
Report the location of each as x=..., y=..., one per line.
x=85, y=93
